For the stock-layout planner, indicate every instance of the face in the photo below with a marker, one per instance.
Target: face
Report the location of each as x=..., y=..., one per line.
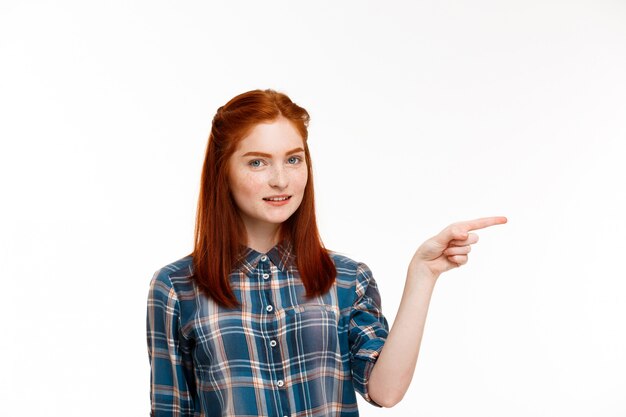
x=267, y=175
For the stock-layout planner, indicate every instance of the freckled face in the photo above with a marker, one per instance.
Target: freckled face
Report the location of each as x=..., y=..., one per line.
x=268, y=174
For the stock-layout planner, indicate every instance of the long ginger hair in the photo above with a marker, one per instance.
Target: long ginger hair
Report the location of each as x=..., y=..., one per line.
x=220, y=235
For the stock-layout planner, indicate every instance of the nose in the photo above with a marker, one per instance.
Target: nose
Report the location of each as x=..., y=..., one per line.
x=279, y=178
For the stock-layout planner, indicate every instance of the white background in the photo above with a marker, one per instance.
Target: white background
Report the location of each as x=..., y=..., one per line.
x=423, y=113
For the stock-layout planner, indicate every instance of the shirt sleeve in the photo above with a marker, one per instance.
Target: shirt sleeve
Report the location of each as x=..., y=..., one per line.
x=368, y=331
x=172, y=386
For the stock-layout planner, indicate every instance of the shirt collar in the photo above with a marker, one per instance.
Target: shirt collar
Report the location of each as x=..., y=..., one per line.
x=281, y=255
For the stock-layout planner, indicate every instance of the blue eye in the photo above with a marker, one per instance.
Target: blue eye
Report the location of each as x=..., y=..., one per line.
x=294, y=160
x=255, y=163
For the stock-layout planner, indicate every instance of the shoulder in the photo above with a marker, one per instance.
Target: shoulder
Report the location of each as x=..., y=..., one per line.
x=350, y=271
x=174, y=277
x=354, y=277
x=348, y=265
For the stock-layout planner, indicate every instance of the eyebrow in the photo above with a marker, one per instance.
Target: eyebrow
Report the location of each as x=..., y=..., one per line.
x=266, y=155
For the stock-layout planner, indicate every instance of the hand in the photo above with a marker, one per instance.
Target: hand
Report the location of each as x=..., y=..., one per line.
x=450, y=247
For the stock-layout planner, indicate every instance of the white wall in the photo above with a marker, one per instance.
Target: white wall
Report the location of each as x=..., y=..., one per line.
x=423, y=113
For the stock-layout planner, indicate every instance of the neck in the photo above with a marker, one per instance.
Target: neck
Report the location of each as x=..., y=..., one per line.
x=262, y=239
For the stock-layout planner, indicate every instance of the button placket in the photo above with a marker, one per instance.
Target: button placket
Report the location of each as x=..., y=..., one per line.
x=275, y=357
x=264, y=272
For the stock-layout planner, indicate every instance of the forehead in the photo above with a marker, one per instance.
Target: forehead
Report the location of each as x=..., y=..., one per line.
x=273, y=137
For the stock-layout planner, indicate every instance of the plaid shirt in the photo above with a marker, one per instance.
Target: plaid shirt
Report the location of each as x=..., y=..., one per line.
x=279, y=354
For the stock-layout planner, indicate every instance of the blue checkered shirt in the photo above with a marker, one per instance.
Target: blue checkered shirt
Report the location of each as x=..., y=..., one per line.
x=279, y=354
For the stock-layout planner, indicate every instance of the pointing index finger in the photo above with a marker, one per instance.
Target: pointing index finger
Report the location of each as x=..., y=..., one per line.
x=483, y=222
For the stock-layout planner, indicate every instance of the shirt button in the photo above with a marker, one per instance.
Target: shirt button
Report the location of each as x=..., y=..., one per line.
x=264, y=258
x=272, y=343
x=266, y=276
x=280, y=382
x=269, y=308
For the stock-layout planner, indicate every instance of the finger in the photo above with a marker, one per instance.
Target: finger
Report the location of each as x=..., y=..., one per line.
x=471, y=239
x=458, y=259
x=460, y=230
x=451, y=233
x=457, y=250
x=482, y=223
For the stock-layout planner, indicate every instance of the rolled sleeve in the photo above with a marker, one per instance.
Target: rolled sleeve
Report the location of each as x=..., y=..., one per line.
x=172, y=387
x=367, y=332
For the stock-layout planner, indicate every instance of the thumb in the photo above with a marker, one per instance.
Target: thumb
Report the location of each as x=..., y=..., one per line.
x=452, y=232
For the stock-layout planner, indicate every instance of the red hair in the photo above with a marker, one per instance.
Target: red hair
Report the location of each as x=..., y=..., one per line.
x=220, y=234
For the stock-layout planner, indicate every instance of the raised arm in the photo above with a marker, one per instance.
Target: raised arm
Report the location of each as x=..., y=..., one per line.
x=393, y=371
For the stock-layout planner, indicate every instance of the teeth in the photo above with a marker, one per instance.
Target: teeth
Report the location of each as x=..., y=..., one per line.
x=276, y=198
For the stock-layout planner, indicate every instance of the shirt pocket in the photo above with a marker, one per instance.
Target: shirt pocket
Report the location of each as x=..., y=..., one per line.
x=310, y=332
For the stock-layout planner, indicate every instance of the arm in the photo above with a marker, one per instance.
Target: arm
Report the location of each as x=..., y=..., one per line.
x=394, y=368
x=393, y=371
x=172, y=389
x=367, y=331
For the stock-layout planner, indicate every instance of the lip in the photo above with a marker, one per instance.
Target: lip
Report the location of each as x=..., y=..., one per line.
x=277, y=203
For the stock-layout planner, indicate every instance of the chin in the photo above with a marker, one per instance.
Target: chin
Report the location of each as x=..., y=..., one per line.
x=279, y=220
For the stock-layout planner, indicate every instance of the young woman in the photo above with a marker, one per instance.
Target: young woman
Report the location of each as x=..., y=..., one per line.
x=262, y=320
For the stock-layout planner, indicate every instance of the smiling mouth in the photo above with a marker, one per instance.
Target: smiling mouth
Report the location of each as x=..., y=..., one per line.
x=277, y=198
